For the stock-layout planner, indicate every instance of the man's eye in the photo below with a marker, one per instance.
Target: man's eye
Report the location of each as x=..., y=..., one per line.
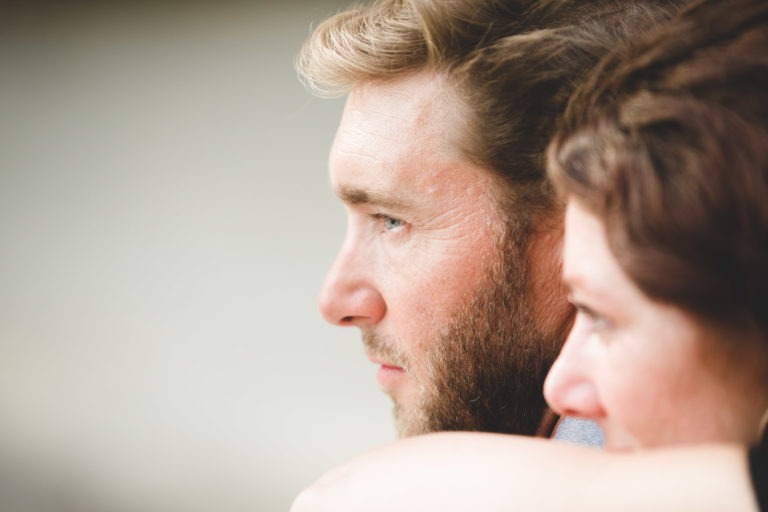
x=390, y=223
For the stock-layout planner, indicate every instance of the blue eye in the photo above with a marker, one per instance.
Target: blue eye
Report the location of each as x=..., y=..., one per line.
x=391, y=223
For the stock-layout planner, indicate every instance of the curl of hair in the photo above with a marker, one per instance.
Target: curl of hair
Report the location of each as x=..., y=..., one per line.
x=668, y=145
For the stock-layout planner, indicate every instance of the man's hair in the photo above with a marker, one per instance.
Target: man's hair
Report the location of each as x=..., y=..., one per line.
x=667, y=143
x=513, y=63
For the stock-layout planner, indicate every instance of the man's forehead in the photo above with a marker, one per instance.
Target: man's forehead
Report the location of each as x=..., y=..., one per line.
x=417, y=103
x=411, y=87
x=394, y=131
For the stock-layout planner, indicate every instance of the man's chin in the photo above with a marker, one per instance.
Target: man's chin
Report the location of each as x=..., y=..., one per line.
x=409, y=421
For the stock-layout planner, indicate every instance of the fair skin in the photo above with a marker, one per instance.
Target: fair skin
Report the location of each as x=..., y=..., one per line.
x=424, y=228
x=633, y=365
x=456, y=472
x=690, y=392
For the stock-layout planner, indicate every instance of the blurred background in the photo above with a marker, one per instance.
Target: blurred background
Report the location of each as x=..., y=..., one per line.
x=165, y=225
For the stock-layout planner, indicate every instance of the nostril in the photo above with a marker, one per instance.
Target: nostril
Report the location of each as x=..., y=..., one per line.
x=347, y=319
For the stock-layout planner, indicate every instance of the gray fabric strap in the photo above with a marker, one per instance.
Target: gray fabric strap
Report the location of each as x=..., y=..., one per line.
x=578, y=431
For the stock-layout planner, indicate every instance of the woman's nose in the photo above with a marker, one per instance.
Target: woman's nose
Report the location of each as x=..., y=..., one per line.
x=570, y=388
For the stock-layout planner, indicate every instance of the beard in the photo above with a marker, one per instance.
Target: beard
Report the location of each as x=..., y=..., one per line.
x=486, y=369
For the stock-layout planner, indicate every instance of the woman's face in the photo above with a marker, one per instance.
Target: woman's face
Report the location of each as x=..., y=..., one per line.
x=648, y=373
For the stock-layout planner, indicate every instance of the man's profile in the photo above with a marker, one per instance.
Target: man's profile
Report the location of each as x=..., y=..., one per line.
x=450, y=266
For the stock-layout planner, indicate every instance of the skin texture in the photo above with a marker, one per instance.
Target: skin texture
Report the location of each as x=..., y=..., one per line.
x=620, y=338
x=461, y=471
x=632, y=364
x=432, y=273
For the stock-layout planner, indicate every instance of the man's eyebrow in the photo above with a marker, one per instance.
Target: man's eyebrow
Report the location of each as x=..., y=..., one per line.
x=356, y=196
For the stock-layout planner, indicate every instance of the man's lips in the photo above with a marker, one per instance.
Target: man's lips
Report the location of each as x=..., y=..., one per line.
x=382, y=362
x=389, y=374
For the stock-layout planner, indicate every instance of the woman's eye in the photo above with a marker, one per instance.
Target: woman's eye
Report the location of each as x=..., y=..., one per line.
x=596, y=321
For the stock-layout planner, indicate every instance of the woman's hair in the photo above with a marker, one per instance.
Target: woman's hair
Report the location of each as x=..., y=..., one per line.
x=667, y=143
x=512, y=63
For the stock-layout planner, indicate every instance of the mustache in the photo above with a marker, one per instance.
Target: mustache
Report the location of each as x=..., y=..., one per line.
x=378, y=347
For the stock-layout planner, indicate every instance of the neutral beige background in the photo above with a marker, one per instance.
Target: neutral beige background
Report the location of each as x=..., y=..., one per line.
x=165, y=224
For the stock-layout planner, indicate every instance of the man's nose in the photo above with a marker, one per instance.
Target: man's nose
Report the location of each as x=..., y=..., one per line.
x=569, y=387
x=349, y=296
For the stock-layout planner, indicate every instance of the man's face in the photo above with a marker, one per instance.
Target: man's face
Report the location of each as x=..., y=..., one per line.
x=431, y=270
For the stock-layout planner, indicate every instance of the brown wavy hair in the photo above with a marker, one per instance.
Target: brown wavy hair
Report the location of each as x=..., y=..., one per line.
x=667, y=143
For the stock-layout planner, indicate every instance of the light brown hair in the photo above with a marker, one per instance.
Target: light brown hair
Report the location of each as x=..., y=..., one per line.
x=512, y=63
